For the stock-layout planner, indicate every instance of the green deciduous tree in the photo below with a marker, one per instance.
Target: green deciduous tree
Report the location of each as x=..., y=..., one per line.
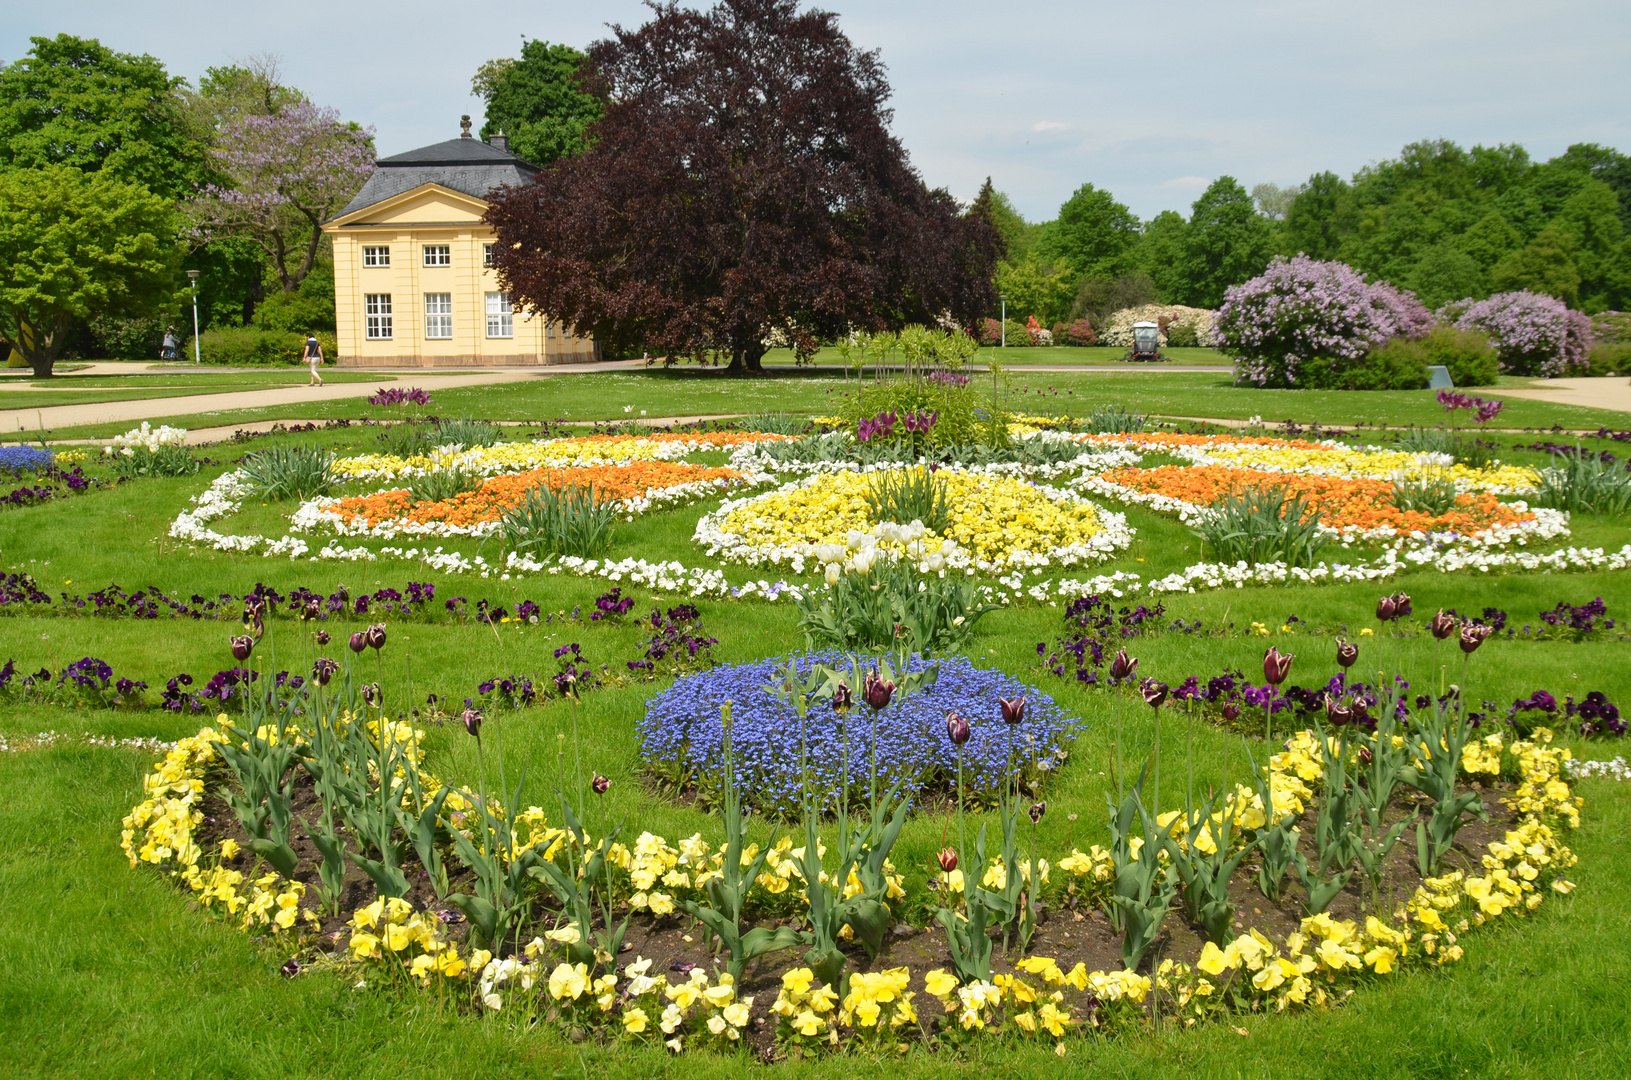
x=1225, y=243
x=538, y=101
x=1019, y=236
x=1320, y=216
x=73, y=245
x=1034, y=287
x=1094, y=234
x=1160, y=254
x=73, y=101
x=1544, y=265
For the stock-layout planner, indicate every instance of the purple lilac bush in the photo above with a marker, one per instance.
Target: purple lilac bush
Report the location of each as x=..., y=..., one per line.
x=1304, y=320
x=681, y=734
x=1533, y=334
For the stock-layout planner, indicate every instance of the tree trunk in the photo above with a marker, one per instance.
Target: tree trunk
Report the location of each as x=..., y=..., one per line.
x=745, y=359
x=40, y=347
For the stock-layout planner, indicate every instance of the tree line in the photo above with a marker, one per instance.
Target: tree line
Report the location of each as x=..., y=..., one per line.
x=1442, y=221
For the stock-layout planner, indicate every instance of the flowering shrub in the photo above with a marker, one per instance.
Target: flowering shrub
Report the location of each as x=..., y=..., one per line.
x=1079, y=333
x=681, y=734
x=1306, y=323
x=1533, y=334
x=1118, y=333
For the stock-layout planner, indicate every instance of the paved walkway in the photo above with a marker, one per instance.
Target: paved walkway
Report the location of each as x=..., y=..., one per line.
x=1612, y=393
x=135, y=411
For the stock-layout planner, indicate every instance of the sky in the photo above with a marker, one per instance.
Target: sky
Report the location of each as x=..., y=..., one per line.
x=1149, y=100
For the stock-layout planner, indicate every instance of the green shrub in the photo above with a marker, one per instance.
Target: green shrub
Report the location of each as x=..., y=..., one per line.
x=129, y=339
x=296, y=312
x=440, y=484
x=907, y=496
x=1262, y=524
x=956, y=420
x=1583, y=483
x=1469, y=356
x=571, y=521
x=1610, y=358
x=467, y=433
x=285, y=472
x=1182, y=336
x=252, y=346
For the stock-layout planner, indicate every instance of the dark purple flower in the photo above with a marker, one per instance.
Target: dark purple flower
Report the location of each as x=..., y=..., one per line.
x=322, y=637
x=359, y=642
x=371, y=694
x=375, y=636
x=1154, y=692
x=1123, y=667
x=1347, y=653
x=948, y=860
x=291, y=967
x=957, y=729
x=1338, y=714
x=1472, y=637
x=1442, y=625
x=472, y=721
x=877, y=691
x=323, y=670
x=1276, y=665
x=1013, y=709
x=600, y=784
x=242, y=645
x=1037, y=810
x=842, y=698
x=1231, y=711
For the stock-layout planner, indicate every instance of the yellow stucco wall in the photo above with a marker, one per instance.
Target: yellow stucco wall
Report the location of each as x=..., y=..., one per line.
x=406, y=224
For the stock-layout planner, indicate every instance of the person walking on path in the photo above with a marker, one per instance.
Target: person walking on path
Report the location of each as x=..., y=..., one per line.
x=167, y=350
x=314, y=357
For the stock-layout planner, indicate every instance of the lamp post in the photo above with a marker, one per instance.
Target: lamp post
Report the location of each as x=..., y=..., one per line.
x=192, y=276
x=1004, y=324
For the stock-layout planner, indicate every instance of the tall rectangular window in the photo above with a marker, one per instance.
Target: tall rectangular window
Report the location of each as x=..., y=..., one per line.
x=376, y=256
x=487, y=255
x=439, y=315
x=438, y=255
x=377, y=308
x=500, y=316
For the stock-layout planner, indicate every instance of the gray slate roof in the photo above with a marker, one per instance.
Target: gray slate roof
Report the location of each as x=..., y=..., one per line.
x=463, y=164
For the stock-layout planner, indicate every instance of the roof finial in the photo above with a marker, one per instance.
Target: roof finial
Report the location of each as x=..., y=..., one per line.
x=464, y=126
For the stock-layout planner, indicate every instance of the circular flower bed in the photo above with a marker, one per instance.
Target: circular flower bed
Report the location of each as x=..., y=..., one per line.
x=638, y=486
x=1361, y=463
x=681, y=734
x=995, y=522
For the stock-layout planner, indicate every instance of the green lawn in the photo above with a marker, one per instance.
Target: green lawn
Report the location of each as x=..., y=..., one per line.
x=1061, y=354
x=696, y=392
x=112, y=974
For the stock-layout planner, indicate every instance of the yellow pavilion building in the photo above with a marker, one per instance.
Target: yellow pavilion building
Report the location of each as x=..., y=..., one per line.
x=414, y=284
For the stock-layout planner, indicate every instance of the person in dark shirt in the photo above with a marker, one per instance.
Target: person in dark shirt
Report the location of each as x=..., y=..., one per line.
x=314, y=357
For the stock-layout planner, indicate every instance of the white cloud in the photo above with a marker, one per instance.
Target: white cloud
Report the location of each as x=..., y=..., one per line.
x=1187, y=183
x=1050, y=125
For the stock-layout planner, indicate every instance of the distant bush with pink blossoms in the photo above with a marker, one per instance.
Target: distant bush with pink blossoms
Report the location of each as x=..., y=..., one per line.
x=1308, y=323
x=1534, y=334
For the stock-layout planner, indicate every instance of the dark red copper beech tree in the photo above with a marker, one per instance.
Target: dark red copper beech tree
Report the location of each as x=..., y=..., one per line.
x=741, y=180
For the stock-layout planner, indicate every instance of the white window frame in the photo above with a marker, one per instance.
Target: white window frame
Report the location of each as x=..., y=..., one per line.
x=500, y=316
x=376, y=255
x=438, y=254
x=377, y=316
x=439, y=316
x=487, y=255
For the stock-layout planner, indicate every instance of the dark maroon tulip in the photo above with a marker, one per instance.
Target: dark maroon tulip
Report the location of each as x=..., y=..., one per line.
x=322, y=637
x=1037, y=810
x=1123, y=667
x=1365, y=756
x=1231, y=711
x=1472, y=636
x=1154, y=692
x=370, y=694
x=1338, y=715
x=957, y=729
x=375, y=636
x=1442, y=625
x=291, y=967
x=842, y=698
x=1276, y=665
x=472, y=720
x=323, y=670
x=254, y=609
x=1013, y=709
x=1387, y=609
x=948, y=860
x=242, y=645
x=1401, y=600
x=1347, y=653
x=1361, y=715
x=312, y=610
x=600, y=784
x=359, y=642
x=877, y=692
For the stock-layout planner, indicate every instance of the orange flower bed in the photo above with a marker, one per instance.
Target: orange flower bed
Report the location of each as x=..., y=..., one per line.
x=488, y=502
x=1341, y=502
